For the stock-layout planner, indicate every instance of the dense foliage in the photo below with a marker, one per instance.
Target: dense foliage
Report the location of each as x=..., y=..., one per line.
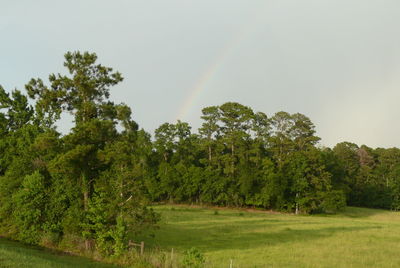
x=244, y=158
x=91, y=185
x=86, y=187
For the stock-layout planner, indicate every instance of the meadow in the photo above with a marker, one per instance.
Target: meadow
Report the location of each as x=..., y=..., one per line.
x=357, y=237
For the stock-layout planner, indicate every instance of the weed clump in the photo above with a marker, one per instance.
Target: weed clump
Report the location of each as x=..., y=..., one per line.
x=193, y=258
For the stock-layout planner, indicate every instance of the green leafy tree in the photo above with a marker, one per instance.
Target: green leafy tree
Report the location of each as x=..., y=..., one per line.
x=29, y=213
x=210, y=128
x=280, y=140
x=17, y=113
x=348, y=159
x=309, y=181
x=236, y=123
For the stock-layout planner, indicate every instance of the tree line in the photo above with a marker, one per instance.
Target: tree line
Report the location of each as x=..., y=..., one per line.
x=92, y=185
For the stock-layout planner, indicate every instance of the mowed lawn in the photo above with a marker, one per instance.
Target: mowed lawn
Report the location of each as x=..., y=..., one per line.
x=14, y=254
x=357, y=237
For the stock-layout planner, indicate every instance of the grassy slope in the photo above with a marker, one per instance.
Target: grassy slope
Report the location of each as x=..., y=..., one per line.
x=14, y=254
x=356, y=238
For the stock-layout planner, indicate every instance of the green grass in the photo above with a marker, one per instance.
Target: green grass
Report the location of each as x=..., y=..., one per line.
x=357, y=237
x=14, y=254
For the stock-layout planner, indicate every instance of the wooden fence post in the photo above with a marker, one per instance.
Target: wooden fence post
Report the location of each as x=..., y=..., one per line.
x=133, y=244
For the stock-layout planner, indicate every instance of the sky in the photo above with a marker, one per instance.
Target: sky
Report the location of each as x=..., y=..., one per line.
x=338, y=62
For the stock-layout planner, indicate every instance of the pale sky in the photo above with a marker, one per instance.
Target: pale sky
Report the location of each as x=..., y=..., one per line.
x=336, y=61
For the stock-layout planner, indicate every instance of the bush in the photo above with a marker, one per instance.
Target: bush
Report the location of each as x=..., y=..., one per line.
x=193, y=258
x=334, y=201
x=29, y=208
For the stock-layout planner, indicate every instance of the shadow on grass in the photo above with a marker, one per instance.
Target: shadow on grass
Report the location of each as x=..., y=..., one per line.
x=356, y=212
x=352, y=212
x=242, y=235
x=37, y=254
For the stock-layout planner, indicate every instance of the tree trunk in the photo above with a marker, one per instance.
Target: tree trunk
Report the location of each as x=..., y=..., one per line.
x=86, y=205
x=85, y=200
x=233, y=159
x=121, y=194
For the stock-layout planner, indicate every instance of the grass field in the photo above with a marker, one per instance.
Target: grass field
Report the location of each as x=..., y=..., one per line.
x=356, y=238
x=13, y=254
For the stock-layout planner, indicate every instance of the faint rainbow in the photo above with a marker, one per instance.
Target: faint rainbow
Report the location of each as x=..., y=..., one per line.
x=213, y=68
x=201, y=83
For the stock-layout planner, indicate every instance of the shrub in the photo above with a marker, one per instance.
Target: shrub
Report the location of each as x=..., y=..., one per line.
x=193, y=258
x=334, y=201
x=29, y=206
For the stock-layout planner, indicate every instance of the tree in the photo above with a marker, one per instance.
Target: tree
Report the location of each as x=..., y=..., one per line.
x=309, y=181
x=17, y=110
x=280, y=140
x=165, y=140
x=236, y=123
x=29, y=212
x=346, y=153
x=85, y=94
x=210, y=128
x=302, y=132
